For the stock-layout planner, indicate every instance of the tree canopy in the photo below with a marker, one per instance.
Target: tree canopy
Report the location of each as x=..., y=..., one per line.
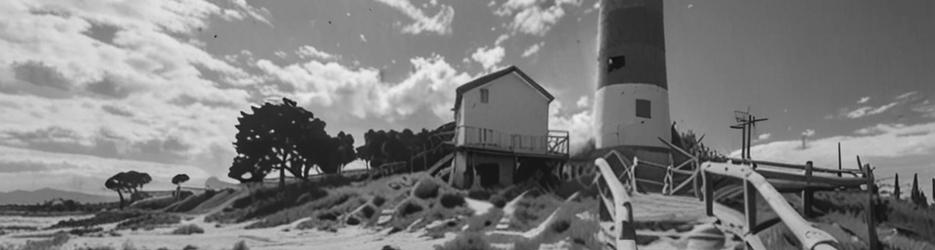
x=393, y=146
x=127, y=182
x=286, y=138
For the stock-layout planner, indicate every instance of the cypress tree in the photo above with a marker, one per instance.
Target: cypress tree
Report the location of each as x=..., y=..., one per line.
x=896, y=192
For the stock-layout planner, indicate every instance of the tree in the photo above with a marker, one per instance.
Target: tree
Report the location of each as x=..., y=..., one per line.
x=916, y=195
x=283, y=137
x=178, y=180
x=127, y=182
x=896, y=192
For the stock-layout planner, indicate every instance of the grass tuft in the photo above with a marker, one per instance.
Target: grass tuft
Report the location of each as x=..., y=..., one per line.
x=188, y=229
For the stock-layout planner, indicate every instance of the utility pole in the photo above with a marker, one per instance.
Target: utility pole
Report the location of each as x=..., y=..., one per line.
x=745, y=122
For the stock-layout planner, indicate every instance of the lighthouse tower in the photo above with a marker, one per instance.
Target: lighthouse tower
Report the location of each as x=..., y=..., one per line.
x=632, y=101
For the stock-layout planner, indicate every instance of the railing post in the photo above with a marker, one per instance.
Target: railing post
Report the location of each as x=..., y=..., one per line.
x=749, y=194
x=708, y=194
x=807, y=191
x=871, y=217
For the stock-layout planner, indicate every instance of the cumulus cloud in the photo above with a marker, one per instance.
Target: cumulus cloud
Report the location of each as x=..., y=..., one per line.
x=361, y=92
x=125, y=79
x=533, y=49
x=488, y=57
x=579, y=125
x=500, y=39
x=440, y=23
x=363, y=38
x=583, y=102
x=534, y=17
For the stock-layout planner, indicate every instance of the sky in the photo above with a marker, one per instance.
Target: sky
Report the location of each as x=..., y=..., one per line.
x=90, y=88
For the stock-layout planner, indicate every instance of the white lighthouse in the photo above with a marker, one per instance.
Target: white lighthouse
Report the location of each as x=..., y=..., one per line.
x=632, y=101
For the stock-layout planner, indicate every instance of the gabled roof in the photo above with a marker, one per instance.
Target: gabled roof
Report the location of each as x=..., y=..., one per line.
x=492, y=76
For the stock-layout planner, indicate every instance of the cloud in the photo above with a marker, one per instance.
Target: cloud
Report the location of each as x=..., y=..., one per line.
x=124, y=79
x=533, y=49
x=360, y=91
x=926, y=108
x=583, y=102
x=808, y=133
x=280, y=54
x=868, y=110
x=245, y=9
x=766, y=136
x=579, y=125
x=363, y=38
x=440, y=23
x=534, y=17
x=310, y=52
x=906, y=95
x=500, y=39
x=488, y=57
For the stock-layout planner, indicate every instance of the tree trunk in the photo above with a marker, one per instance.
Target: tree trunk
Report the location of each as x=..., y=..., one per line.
x=121, y=199
x=178, y=191
x=282, y=178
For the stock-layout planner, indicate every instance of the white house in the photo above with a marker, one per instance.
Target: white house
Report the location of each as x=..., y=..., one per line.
x=502, y=125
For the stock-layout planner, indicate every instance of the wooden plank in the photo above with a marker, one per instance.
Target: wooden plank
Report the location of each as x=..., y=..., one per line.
x=816, y=179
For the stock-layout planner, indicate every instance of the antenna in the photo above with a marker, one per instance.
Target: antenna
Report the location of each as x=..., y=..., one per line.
x=745, y=122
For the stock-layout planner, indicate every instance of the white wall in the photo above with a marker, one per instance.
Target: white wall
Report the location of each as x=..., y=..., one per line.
x=615, y=119
x=514, y=107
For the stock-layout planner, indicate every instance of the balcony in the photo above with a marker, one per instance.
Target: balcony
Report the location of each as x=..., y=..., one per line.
x=554, y=144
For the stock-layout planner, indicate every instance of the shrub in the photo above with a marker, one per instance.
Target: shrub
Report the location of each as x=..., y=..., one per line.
x=378, y=200
x=451, y=200
x=240, y=245
x=408, y=208
x=467, y=241
x=368, y=211
x=188, y=229
x=560, y=226
x=479, y=194
x=426, y=189
x=498, y=201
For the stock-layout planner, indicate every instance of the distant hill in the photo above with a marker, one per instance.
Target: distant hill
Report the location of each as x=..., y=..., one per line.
x=45, y=194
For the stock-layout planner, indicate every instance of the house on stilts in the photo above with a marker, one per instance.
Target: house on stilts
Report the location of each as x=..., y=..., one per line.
x=502, y=131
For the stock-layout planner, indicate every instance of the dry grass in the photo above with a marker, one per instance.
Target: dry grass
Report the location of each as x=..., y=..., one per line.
x=567, y=225
x=54, y=242
x=530, y=211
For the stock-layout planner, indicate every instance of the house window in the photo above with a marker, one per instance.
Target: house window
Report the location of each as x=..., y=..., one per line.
x=643, y=108
x=484, y=95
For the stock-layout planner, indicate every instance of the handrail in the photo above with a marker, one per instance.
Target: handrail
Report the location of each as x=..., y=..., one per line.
x=810, y=236
x=622, y=213
x=796, y=166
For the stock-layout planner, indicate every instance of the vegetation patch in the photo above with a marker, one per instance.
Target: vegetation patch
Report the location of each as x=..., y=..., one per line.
x=530, y=211
x=582, y=232
x=335, y=203
x=467, y=241
x=450, y=200
x=425, y=189
x=53, y=242
x=188, y=229
x=99, y=219
x=191, y=202
x=149, y=221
